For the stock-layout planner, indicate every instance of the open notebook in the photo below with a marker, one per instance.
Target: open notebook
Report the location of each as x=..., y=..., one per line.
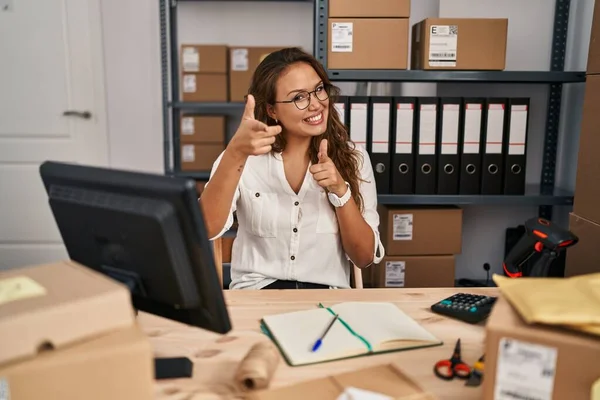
x=362, y=328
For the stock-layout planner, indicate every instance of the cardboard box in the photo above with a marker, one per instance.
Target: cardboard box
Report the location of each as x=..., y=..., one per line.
x=200, y=157
x=587, y=190
x=459, y=44
x=367, y=43
x=243, y=63
x=53, y=305
x=369, y=9
x=204, y=87
x=117, y=365
x=414, y=272
x=421, y=231
x=203, y=58
x=593, y=62
x=583, y=257
x=202, y=129
x=536, y=362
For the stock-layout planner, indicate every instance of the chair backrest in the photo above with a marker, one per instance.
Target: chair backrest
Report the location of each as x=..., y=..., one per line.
x=357, y=281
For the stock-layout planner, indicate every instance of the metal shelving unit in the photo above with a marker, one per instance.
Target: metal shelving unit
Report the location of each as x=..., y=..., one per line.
x=544, y=195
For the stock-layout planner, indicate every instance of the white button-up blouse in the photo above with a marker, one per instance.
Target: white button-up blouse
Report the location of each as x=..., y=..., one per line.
x=287, y=236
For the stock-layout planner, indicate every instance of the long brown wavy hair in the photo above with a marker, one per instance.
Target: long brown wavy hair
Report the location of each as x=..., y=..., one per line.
x=340, y=148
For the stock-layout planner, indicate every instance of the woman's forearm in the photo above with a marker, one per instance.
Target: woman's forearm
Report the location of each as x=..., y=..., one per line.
x=217, y=196
x=357, y=235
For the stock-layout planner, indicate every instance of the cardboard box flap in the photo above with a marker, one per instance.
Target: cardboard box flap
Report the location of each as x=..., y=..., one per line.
x=50, y=306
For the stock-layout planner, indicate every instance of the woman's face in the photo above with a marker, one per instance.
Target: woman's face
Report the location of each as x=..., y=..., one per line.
x=304, y=113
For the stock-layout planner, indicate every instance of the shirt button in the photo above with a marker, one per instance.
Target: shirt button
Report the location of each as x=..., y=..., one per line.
x=295, y=230
x=293, y=258
x=296, y=203
x=257, y=194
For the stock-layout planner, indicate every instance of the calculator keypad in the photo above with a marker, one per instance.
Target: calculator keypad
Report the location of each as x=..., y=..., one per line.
x=470, y=308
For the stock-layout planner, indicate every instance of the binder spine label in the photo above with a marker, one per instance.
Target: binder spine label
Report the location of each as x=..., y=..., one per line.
x=443, y=44
x=404, y=128
x=450, y=129
x=381, y=127
x=358, y=123
x=472, y=128
x=394, y=273
x=518, y=130
x=495, y=129
x=403, y=227
x=341, y=111
x=341, y=37
x=427, y=129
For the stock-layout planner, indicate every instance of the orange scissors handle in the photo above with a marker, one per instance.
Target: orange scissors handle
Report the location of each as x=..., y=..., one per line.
x=454, y=367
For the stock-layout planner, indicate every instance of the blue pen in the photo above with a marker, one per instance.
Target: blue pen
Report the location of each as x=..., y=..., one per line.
x=320, y=340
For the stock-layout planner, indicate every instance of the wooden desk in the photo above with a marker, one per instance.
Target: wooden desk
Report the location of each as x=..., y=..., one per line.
x=215, y=357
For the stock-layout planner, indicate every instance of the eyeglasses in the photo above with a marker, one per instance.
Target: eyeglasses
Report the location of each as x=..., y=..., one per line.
x=302, y=99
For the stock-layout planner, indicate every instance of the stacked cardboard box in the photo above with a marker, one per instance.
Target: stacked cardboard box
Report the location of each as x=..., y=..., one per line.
x=203, y=72
x=368, y=34
x=243, y=63
x=202, y=141
x=584, y=222
x=420, y=246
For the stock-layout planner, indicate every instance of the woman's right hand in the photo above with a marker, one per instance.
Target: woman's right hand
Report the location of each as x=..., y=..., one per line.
x=252, y=137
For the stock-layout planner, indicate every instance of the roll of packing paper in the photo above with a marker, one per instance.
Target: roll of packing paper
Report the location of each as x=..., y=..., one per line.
x=258, y=366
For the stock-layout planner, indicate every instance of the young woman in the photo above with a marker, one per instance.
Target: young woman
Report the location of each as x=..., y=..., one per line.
x=303, y=193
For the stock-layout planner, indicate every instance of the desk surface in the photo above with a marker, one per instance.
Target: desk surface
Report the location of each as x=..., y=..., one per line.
x=216, y=356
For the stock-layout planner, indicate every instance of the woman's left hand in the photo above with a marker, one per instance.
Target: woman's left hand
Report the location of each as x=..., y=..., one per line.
x=326, y=174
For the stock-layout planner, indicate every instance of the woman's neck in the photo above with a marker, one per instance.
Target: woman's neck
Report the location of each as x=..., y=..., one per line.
x=296, y=147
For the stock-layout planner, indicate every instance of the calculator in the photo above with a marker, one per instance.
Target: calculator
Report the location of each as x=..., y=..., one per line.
x=471, y=308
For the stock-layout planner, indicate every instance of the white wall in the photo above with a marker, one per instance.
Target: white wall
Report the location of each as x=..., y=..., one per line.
x=131, y=34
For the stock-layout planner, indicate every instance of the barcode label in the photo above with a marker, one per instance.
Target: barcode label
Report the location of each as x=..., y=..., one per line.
x=402, y=227
x=341, y=36
x=443, y=45
x=394, y=273
x=443, y=55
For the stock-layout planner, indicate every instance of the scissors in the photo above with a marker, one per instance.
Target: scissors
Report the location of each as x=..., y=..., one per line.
x=454, y=367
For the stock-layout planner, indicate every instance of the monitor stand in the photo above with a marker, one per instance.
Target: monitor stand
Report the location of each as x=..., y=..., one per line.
x=164, y=367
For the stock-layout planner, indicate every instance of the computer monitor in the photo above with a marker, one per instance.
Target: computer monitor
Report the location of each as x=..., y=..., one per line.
x=146, y=231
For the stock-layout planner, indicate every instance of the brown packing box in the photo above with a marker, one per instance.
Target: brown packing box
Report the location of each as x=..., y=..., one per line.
x=414, y=272
x=243, y=62
x=587, y=190
x=536, y=362
x=116, y=365
x=367, y=43
x=385, y=380
x=200, y=157
x=204, y=87
x=202, y=129
x=203, y=58
x=54, y=305
x=593, y=63
x=421, y=231
x=583, y=257
x=369, y=9
x=459, y=44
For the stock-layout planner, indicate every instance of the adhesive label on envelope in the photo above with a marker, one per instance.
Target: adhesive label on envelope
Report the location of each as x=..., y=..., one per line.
x=403, y=227
x=4, y=389
x=524, y=370
x=341, y=36
x=19, y=288
x=394, y=273
x=443, y=45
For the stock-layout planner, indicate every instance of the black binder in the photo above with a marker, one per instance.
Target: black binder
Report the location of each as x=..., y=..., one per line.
x=448, y=167
x=471, y=145
x=380, y=112
x=516, y=146
x=493, y=159
x=426, y=167
x=403, y=149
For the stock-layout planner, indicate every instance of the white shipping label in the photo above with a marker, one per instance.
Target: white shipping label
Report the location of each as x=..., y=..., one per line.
x=188, y=153
x=404, y=128
x=524, y=370
x=4, y=389
x=495, y=129
x=341, y=37
x=472, y=128
x=394, y=273
x=381, y=127
x=358, y=123
x=340, y=107
x=443, y=45
x=191, y=59
x=189, y=83
x=427, y=129
x=239, y=60
x=450, y=128
x=518, y=129
x=187, y=126
x=403, y=227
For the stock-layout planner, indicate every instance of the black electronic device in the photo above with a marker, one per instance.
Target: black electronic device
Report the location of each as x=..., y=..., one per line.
x=542, y=239
x=471, y=308
x=147, y=232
